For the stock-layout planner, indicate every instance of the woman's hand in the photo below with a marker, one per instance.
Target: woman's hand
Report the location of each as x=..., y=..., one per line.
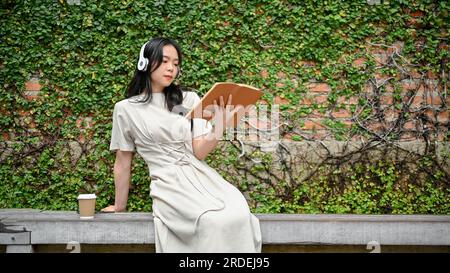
x=110, y=208
x=222, y=115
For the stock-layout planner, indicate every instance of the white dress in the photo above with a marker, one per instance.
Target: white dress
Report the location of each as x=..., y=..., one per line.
x=194, y=208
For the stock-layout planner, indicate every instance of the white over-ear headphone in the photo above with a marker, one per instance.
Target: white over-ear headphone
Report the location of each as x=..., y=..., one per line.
x=143, y=62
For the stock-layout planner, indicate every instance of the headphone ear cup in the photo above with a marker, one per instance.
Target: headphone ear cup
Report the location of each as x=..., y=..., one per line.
x=143, y=63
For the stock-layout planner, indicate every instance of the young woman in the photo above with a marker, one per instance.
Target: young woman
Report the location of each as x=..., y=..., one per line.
x=194, y=208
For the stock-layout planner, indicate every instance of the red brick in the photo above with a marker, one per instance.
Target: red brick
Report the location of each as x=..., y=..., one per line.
x=417, y=13
x=399, y=46
x=306, y=100
x=417, y=100
x=387, y=50
x=409, y=85
x=412, y=22
x=415, y=85
x=307, y=63
x=433, y=98
x=86, y=120
x=368, y=88
x=379, y=77
x=316, y=135
x=442, y=137
x=5, y=137
x=380, y=59
x=409, y=125
x=281, y=75
x=279, y=84
x=389, y=88
x=319, y=134
x=341, y=113
x=32, y=86
x=253, y=137
x=31, y=95
x=408, y=136
x=24, y=113
x=431, y=75
x=350, y=100
x=287, y=137
x=264, y=74
x=443, y=117
x=378, y=50
x=358, y=138
x=375, y=127
x=386, y=99
x=315, y=114
x=280, y=100
x=431, y=85
x=430, y=114
x=31, y=123
x=311, y=125
x=319, y=87
x=443, y=46
x=415, y=74
x=83, y=137
x=320, y=99
x=391, y=115
x=347, y=123
x=359, y=62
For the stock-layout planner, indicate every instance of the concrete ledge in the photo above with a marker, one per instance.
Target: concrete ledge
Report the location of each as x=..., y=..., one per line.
x=62, y=227
x=19, y=238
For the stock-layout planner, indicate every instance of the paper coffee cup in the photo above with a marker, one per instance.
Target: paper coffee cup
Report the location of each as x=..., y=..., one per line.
x=86, y=204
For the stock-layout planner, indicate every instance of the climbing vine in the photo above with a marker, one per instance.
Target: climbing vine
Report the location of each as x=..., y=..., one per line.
x=385, y=66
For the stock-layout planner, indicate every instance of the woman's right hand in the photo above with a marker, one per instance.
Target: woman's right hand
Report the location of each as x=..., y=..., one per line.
x=110, y=208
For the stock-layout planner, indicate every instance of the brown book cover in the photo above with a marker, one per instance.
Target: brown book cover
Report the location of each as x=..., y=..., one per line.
x=241, y=94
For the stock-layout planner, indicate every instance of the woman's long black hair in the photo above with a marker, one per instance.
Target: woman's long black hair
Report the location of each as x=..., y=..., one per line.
x=141, y=81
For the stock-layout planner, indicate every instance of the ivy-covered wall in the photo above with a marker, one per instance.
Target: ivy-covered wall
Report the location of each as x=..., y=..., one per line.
x=342, y=72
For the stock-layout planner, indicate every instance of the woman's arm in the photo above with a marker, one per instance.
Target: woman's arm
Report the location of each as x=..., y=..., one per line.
x=122, y=177
x=222, y=117
x=204, y=144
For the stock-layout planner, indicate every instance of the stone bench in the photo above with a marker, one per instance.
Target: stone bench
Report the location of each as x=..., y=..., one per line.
x=26, y=230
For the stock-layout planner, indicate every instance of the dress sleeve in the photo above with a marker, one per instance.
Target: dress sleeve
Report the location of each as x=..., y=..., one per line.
x=121, y=138
x=200, y=126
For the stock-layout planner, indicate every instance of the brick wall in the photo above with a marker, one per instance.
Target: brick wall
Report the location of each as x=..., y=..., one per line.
x=429, y=94
x=422, y=97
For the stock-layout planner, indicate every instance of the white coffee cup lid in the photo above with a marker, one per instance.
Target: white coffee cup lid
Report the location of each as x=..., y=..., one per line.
x=87, y=196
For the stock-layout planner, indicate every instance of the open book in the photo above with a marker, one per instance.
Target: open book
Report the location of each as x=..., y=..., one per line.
x=241, y=94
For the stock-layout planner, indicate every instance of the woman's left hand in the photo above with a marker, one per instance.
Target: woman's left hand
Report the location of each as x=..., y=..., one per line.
x=109, y=209
x=223, y=115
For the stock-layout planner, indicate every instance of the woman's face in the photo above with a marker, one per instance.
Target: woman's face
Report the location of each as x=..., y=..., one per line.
x=164, y=75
